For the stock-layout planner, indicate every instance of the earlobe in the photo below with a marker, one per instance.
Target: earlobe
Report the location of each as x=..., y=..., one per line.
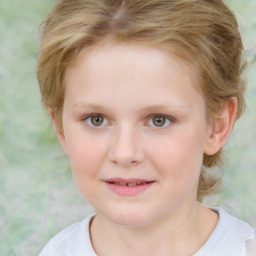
x=221, y=127
x=59, y=133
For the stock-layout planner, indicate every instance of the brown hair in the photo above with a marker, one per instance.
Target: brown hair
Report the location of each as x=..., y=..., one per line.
x=203, y=32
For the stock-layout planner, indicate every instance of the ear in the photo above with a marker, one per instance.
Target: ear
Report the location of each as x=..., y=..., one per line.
x=60, y=133
x=221, y=127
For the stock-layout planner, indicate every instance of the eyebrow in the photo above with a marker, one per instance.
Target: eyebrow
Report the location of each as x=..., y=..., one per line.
x=151, y=108
x=163, y=107
x=89, y=105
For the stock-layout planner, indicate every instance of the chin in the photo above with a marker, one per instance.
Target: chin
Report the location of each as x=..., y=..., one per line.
x=131, y=217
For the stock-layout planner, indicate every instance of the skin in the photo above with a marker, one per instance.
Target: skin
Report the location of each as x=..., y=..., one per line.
x=126, y=86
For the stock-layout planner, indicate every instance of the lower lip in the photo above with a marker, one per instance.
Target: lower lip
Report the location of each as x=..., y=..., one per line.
x=129, y=191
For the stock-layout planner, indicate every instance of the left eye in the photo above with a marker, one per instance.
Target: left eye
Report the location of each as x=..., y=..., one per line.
x=96, y=120
x=159, y=121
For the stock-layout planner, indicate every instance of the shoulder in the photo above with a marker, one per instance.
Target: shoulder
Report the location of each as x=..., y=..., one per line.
x=251, y=246
x=240, y=233
x=73, y=240
x=234, y=226
x=229, y=237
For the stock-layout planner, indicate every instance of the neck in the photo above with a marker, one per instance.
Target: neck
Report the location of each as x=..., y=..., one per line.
x=180, y=233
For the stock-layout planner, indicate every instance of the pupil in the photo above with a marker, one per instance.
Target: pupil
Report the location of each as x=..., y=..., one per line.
x=159, y=121
x=97, y=120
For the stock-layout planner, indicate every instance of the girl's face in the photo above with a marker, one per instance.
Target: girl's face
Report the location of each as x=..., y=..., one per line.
x=135, y=131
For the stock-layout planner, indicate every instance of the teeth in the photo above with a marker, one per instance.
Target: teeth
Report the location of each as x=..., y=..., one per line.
x=128, y=184
x=123, y=183
x=132, y=184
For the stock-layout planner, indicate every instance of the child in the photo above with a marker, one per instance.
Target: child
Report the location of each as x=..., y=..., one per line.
x=143, y=95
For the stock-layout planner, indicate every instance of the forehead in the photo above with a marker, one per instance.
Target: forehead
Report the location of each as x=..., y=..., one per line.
x=136, y=53
x=135, y=70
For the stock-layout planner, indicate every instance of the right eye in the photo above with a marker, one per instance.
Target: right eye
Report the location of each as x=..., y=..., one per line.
x=95, y=120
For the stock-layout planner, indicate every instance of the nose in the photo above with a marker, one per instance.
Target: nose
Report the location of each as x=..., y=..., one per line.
x=126, y=149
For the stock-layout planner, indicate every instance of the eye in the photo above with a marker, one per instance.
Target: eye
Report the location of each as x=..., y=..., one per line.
x=159, y=121
x=96, y=120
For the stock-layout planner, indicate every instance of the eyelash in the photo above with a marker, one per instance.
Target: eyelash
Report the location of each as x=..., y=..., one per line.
x=166, y=118
x=171, y=120
x=88, y=117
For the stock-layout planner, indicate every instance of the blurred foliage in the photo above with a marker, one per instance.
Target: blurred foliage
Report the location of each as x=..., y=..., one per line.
x=38, y=196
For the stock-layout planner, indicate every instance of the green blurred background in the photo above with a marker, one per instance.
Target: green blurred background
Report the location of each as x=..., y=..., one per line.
x=38, y=196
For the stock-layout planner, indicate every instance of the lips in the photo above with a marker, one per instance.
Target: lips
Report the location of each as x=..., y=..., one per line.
x=128, y=187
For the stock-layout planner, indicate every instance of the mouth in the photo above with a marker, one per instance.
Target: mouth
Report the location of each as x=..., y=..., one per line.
x=128, y=187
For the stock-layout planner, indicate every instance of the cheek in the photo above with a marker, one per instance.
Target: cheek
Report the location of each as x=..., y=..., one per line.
x=85, y=159
x=85, y=154
x=179, y=158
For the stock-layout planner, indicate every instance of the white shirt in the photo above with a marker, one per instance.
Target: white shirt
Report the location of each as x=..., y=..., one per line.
x=228, y=239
